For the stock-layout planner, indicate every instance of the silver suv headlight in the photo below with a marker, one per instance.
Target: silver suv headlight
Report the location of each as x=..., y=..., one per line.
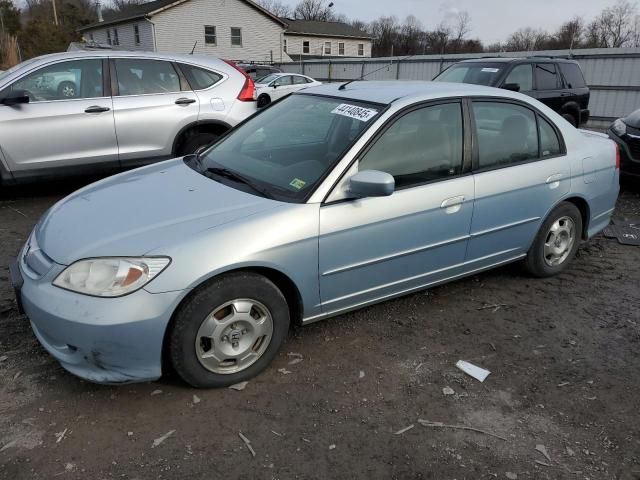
x=110, y=276
x=619, y=127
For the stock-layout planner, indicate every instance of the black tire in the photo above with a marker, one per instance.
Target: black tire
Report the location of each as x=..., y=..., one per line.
x=571, y=119
x=188, y=320
x=67, y=90
x=263, y=100
x=535, y=262
x=195, y=141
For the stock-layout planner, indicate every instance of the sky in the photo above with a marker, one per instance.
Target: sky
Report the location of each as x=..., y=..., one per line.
x=491, y=20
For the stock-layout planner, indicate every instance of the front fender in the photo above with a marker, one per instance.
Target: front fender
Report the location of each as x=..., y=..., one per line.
x=283, y=239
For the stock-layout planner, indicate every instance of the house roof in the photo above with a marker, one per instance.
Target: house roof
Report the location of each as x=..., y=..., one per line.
x=144, y=10
x=324, y=29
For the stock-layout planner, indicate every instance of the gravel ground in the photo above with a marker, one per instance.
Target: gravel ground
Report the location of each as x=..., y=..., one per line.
x=564, y=356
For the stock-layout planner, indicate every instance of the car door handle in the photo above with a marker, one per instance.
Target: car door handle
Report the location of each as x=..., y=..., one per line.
x=96, y=109
x=185, y=101
x=453, y=204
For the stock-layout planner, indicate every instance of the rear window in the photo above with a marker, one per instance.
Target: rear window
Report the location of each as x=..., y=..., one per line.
x=573, y=75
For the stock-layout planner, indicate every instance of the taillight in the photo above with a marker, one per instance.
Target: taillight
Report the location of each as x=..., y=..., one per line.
x=248, y=92
x=617, y=157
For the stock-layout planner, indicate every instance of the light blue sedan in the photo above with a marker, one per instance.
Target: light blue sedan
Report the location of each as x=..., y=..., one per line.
x=327, y=201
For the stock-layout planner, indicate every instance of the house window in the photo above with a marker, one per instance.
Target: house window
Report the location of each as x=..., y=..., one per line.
x=327, y=48
x=109, y=37
x=305, y=46
x=341, y=49
x=210, y=35
x=116, y=41
x=136, y=34
x=361, y=49
x=285, y=45
x=236, y=36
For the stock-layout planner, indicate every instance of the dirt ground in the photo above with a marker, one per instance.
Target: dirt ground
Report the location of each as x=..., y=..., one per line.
x=564, y=356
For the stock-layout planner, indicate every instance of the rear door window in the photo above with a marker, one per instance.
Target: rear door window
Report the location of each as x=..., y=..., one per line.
x=507, y=134
x=546, y=76
x=299, y=80
x=143, y=77
x=573, y=75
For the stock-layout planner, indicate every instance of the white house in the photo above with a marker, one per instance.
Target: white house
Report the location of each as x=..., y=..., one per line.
x=314, y=39
x=238, y=30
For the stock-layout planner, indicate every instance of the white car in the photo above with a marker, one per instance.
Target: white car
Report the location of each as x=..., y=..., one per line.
x=278, y=85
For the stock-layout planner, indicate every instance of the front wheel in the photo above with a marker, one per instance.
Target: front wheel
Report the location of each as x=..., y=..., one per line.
x=556, y=243
x=228, y=331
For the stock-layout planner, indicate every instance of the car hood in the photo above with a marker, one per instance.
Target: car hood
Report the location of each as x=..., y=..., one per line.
x=633, y=119
x=142, y=210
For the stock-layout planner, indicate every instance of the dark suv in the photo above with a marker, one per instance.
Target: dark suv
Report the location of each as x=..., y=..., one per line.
x=556, y=82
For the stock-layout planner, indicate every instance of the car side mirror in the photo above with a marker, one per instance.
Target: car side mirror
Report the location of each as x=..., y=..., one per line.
x=15, y=97
x=275, y=85
x=371, y=183
x=514, y=87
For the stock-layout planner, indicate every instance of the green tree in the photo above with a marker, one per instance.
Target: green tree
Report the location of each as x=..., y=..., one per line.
x=9, y=17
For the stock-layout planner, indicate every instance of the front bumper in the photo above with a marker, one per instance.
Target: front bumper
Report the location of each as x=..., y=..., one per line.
x=628, y=165
x=103, y=340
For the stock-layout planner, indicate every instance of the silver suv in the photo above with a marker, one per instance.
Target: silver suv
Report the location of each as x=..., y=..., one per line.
x=90, y=112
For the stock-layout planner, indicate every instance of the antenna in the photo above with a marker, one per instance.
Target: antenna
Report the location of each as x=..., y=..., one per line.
x=194, y=48
x=344, y=85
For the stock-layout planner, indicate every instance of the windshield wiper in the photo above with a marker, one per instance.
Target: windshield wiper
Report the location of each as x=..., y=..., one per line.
x=236, y=177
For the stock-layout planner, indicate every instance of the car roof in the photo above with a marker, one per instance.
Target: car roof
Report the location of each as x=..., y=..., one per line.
x=205, y=60
x=387, y=92
x=516, y=59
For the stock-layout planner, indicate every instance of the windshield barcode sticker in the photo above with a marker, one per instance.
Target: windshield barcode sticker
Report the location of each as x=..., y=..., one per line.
x=353, y=111
x=491, y=70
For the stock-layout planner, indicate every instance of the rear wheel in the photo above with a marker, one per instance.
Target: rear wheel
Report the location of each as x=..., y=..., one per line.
x=228, y=331
x=67, y=90
x=195, y=141
x=570, y=118
x=263, y=100
x=556, y=243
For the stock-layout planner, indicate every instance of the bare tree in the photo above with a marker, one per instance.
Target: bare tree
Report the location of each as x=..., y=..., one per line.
x=569, y=35
x=385, y=31
x=276, y=7
x=617, y=23
x=461, y=26
x=314, y=10
x=527, y=39
x=410, y=36
x=441, y=37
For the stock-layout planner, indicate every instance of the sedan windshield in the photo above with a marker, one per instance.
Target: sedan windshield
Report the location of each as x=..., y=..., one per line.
x=477, y=73
x=6, y=73
x=267, y=79
x=287, y=149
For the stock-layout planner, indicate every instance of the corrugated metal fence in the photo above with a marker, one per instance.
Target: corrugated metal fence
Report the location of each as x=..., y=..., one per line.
x=613, y=74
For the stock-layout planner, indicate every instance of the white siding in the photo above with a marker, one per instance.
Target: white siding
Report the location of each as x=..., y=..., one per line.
x=125, y=35
x=316, y=46
x=179, y=27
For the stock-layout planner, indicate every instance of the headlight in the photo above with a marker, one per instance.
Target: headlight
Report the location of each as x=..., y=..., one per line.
x=619, y=127
x=111, y=276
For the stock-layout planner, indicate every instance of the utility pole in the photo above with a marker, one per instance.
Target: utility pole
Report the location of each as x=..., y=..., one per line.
x=55, y=13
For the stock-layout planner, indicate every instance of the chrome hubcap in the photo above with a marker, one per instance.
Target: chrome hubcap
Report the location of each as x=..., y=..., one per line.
x=68, y=91
x=234, y=336
x=559, y=241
